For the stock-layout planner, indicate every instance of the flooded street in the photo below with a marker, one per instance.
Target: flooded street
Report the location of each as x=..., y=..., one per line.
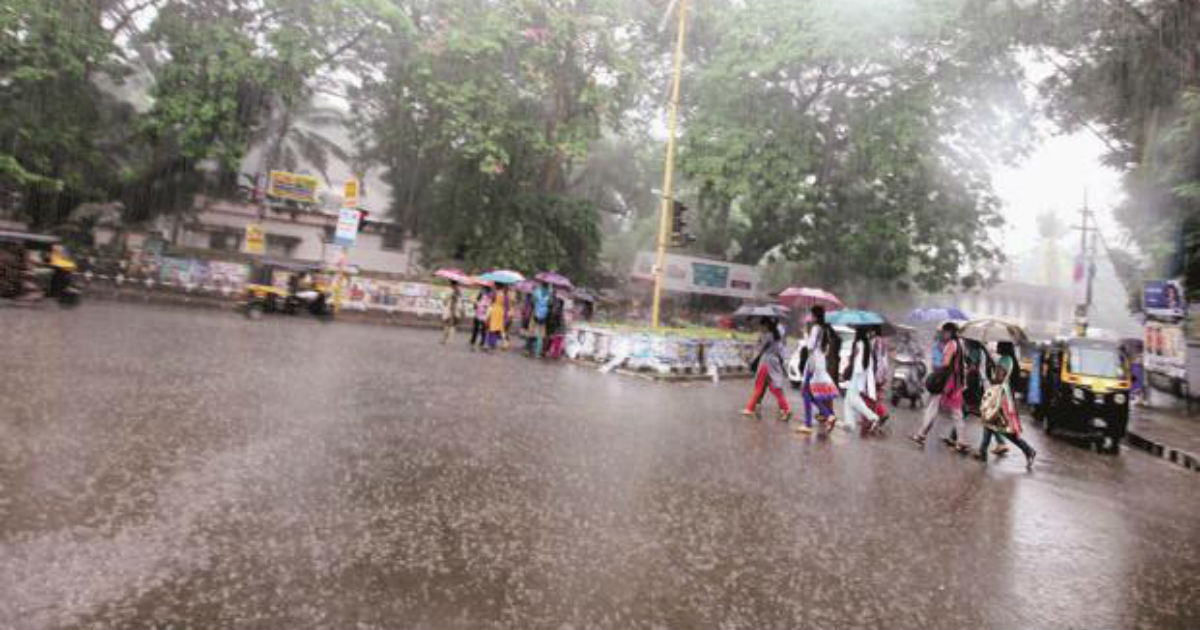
x=167, y=468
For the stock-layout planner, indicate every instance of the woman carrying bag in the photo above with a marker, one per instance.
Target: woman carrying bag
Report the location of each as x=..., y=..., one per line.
x=769, y=372
x=999, y=409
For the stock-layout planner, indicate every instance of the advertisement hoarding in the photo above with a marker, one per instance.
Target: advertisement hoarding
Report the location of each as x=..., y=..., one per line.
x=688, y=274
x=293, y=187
x=1164, y=299
x=1166, y=349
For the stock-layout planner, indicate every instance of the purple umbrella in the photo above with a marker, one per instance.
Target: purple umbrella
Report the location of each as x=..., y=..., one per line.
x=556, y=279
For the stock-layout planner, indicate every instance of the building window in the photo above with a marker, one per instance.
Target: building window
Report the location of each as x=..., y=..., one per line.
x=279, y=245
x=224, y=241
x=393, y=237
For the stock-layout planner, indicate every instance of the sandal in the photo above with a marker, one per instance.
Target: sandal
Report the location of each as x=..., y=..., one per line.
x=962, y=449
x=804, y=428
x=919, y=439
x=785, y=416
x=750, y=413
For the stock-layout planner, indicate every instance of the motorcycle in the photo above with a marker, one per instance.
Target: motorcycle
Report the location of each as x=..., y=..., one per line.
x=908, y=379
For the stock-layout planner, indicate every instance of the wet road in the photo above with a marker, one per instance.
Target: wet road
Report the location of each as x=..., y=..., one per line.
x=164, y=468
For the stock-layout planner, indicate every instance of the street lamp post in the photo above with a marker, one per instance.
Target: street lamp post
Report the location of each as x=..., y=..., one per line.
x=664, y=218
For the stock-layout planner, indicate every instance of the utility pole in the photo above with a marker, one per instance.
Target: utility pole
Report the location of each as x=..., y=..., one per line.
x=1086, y=263
x=668, y=194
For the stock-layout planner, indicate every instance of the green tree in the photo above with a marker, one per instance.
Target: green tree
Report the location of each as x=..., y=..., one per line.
x=856, y=141
x=57, y=147
x=484, y=117
x=1131, y=72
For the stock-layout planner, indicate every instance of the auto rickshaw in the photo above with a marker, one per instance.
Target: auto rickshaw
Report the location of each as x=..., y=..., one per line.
x=36, y=266
x=307, y=290
x=1085, y=387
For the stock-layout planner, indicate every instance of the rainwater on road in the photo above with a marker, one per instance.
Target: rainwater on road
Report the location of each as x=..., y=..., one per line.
x=167, y=468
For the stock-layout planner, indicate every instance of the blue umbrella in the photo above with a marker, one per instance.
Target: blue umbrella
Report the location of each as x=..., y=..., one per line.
x=935, y=315
x=502, y=276
x=853, y=318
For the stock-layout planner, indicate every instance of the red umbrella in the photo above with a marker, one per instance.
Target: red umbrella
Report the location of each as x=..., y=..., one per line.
x=803, y=298
x=454, y=275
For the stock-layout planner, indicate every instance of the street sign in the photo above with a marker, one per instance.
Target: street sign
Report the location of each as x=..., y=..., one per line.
x=688, y=274
x=347, y=227
x=256, y=241
x=350, y=193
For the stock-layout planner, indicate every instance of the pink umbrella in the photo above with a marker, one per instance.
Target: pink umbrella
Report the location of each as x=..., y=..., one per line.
x=556, y=279
x=454, y=275
x=803, y=298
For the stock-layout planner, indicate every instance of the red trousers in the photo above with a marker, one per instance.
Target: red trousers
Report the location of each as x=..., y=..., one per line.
x=763, y=382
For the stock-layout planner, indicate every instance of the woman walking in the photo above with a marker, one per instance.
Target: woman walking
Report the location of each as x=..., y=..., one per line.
x=770, y=374
x=949, y=401
x=999, y=408
x=861, y=391
x=483, y=301
x=819, y=388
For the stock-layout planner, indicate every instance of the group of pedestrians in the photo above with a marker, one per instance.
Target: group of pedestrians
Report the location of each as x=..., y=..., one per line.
x=494, y=310
x=998, y=407
x=865, y=379
x=820, y=365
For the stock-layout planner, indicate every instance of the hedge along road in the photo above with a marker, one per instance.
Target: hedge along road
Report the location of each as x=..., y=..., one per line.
x=175, y=467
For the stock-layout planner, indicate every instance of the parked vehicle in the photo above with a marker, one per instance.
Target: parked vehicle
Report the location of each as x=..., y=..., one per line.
x=35, y=267
x=1085, y=389
x=308, y=289
x=908, y=378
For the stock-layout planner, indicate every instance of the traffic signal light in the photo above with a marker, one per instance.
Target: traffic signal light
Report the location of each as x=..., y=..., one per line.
x=679, y=222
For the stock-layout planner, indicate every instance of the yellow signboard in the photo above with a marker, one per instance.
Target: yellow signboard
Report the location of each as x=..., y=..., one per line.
x=256, y=241
x=350, y=195
x=292, y=186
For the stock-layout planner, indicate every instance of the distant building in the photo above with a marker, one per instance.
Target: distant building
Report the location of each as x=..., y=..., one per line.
x=293, y=233
x=1044, y=312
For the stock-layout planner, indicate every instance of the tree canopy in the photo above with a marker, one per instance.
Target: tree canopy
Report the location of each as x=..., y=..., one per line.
x=852, y=138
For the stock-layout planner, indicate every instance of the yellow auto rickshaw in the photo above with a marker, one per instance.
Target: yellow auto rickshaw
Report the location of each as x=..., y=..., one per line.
x=35, y=266
x=1085, y=387
x=290, y=289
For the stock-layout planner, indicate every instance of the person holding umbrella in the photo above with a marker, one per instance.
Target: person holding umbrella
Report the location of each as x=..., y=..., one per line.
x=483, y=302
x=947, y=398
x=818, y=387
x=497, y=319
x=769, y=372
x=999, y=409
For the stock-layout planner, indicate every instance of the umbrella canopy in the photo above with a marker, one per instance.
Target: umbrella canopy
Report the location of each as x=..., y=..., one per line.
x=454, y=275
x=762, y=310
x=525, y=286
x=585, y=295
x=556, y=279
x=502, y=276
x=936, y=315
x=805, y=298
x=855, y=318
x=992, y=331
x=476, y=280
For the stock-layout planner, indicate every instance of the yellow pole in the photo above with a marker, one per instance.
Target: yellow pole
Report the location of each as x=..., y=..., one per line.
x=668, y=197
